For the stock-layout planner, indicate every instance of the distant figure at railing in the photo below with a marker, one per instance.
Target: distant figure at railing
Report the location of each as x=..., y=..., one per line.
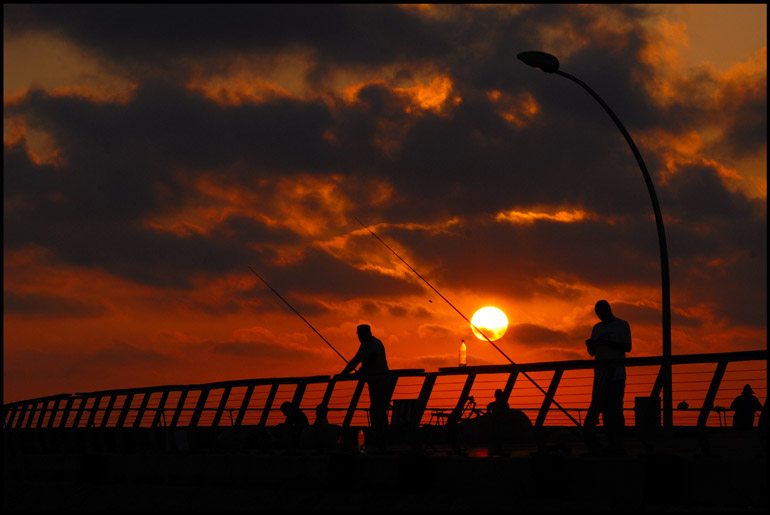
x=744, y=406
x=497, y=410
x=321, y=435
x=371, y=356
x=289, y=431
x=499, y=404
x=321, y=415
x=610, y=340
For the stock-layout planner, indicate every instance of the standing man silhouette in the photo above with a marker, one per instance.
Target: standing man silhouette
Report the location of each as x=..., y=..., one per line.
x=610, y=340
x=374, y=365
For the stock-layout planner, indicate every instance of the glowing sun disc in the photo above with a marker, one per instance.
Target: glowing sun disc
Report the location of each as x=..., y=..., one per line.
x=490, y=321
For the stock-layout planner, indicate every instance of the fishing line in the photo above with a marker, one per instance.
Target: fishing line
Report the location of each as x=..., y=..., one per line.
x=297, y=312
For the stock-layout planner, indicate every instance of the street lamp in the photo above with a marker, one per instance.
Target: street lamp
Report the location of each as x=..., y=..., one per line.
x=550, y=64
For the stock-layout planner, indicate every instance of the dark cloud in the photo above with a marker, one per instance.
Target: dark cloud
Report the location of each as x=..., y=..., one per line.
x=214, y=307
x=124, y=353
x=257, y=349
x=166, y=128
x=536, y=334
x=746, y=132
x=321, y=273
x=37, y=304
x=532, y=259
x=737, y=103
x=697, y=193
x=637, y=315
x=718, y=247
x=398, y=310
x=163, y=38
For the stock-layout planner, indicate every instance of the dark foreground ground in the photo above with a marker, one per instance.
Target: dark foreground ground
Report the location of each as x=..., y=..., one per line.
x=674, y=476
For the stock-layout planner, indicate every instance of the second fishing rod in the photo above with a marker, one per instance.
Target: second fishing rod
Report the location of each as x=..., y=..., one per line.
x=464, y=317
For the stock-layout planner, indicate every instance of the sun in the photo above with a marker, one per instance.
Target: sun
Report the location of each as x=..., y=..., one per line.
x=490, y=321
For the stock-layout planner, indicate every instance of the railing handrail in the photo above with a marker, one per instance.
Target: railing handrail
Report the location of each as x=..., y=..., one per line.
x=680, y=359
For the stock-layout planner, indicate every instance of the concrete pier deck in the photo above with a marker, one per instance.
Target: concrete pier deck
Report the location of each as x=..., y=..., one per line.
x=676, y=476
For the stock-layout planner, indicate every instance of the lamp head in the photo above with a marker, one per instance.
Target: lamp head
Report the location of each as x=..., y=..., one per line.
x=545, y=62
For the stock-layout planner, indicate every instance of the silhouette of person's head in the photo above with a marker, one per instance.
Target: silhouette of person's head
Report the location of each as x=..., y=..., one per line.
x=364, y=332
x=287, y=408
x=747, y=390
x=604, y=311
x=498, y=394
x=321, y=411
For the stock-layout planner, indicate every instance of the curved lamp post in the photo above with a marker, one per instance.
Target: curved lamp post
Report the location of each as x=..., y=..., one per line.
x=550, y=64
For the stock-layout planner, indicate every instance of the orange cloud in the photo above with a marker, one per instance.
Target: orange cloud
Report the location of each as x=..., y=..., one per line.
x=237, y=90
x=530, y=217
x=743, y=80
x=432, y=93
x=516, y=110
x=684, y=149
x=214, y=203
x=756, y=65
x=14, y=130
x=435, y=96
x=563, y=39
x=663, y=50
x=40, y=146
x=432, y=96
x=308, y=204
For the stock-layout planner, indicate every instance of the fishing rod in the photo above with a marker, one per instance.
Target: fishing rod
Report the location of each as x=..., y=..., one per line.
x=464, y=317
x=435, y=290
x=297, y=312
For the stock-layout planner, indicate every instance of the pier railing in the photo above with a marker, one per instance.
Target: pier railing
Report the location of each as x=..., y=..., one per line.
x=550, y=393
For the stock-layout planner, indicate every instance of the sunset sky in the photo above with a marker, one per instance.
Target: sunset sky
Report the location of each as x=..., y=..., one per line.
x=153, y=153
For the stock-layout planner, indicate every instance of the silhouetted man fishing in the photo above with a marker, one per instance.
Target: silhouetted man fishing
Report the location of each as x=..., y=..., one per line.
x=374, y=364
x=610, y=340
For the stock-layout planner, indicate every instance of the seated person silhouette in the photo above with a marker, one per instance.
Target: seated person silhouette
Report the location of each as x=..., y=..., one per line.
x=499, y=404
x=744, y=406
x=321, y=435
x=289, y=431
